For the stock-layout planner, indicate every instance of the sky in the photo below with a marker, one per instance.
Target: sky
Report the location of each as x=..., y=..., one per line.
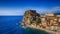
x=18, y=7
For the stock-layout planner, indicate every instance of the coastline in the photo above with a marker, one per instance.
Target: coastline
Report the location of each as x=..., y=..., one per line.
x=41, y=29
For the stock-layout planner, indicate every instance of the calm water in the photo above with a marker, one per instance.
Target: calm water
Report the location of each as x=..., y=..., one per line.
x=10, y=25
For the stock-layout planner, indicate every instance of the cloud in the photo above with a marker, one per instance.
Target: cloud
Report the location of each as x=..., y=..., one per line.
x=20, y=11
x=55, y=10
x=48, y=10
x=10, y=13
x=39, y=10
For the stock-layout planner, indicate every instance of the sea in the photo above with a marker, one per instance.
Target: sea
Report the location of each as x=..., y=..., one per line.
x=12, y=25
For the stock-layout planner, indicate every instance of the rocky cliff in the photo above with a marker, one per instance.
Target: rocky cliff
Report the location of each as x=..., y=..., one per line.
x=31, y=16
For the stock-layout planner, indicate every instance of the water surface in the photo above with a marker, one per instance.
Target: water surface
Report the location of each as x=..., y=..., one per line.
x=11, y=25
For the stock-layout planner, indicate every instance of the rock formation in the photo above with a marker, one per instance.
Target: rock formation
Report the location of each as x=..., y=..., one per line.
x=31, y=16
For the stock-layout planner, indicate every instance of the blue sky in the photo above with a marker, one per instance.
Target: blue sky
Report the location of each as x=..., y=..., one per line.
x=18, y=7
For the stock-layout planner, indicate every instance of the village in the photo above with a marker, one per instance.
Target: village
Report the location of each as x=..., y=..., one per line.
x=47, y=21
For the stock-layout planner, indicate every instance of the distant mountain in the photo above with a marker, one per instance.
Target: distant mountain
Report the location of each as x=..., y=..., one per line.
x=56, y=13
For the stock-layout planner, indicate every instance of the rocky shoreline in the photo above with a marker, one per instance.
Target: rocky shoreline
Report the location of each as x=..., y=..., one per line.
x=42, y=29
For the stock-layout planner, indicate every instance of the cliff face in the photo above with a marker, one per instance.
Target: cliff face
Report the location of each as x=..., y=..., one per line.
x=31, y=16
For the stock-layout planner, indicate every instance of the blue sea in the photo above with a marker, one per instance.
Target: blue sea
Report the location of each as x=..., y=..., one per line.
x=11, y=25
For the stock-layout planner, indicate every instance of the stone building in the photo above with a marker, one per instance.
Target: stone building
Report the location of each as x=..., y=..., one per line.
x=48, y=18
x=58, y=18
